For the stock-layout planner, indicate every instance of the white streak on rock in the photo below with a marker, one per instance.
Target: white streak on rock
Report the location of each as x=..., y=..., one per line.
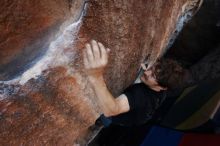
x=55, y=55
x=59, y=53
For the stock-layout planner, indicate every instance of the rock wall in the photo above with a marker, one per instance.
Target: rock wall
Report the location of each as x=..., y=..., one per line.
x=27, y=28
x=58, y=106
x=135, y=31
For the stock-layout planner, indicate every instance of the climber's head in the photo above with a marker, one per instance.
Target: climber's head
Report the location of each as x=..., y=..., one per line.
x=164, y=74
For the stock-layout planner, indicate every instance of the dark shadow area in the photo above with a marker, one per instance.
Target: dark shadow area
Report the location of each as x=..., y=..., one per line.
x=116, y=135
x=199, y=37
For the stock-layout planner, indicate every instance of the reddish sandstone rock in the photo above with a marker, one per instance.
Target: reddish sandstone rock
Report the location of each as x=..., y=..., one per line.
x=134, y=31
x=55, y=112
x=28, y=27
x=58, y=107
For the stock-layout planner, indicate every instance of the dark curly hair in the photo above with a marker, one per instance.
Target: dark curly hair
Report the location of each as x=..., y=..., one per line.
x=169, y=73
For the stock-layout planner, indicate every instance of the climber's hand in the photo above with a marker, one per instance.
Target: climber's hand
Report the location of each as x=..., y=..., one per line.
x=95, y=58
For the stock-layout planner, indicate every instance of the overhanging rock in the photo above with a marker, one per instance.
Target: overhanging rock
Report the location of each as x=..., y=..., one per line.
x=45, y=42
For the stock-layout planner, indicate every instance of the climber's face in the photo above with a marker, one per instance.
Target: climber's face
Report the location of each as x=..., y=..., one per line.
x=149, y=79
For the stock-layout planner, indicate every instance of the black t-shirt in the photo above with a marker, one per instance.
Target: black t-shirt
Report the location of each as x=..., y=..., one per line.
x=143, y=103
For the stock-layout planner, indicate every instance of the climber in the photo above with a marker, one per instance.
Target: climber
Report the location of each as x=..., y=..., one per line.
x=137, y=104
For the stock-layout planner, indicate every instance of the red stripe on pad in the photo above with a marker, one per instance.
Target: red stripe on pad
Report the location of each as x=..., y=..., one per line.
x=200, y=140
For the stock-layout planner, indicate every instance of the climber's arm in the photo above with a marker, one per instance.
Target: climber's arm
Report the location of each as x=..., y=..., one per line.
x=95, y=60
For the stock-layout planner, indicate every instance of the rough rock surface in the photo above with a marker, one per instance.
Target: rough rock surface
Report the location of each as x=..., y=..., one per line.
x=135, y=31
x=51, y=110
x=27, y=28
x=58, y=107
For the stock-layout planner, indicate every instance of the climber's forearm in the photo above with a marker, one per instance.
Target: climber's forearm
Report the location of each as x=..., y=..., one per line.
x=107, y=102
x=95, y=58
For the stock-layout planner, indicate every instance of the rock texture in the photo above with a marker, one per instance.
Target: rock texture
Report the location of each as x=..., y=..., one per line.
x=51, y=110
x=58, y=107
x=135, y=31
x=27, y=28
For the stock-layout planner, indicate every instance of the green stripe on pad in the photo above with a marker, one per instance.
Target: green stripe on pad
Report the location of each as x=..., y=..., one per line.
x=202, y=115
x=185, y=92
x=189, y=103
